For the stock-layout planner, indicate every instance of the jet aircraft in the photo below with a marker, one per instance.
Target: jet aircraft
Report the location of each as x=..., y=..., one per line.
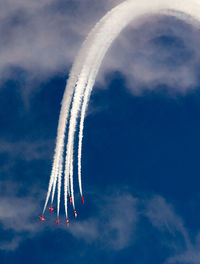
x=42, y=218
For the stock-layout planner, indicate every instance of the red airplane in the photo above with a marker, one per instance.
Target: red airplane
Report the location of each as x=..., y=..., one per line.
x=42, y=218
x=70, y=199
x=75, y=214
x=82, y=198
x=67, y=223
x=51, y=209
x=57, y=221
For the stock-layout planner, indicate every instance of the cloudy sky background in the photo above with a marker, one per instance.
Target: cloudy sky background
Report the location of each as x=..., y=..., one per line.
x=141, y=144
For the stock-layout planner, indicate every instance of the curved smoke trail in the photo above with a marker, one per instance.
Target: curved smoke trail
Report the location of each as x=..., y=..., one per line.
x=64, y=113
x=86, y=67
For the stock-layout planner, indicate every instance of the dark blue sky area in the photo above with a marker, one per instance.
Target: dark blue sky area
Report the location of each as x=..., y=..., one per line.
x=140, y=173
x=146, y=145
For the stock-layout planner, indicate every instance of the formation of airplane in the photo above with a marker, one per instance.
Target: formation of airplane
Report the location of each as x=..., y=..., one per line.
x=51, y=209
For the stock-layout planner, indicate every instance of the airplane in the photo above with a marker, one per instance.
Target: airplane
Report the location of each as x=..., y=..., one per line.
x=75, y=214
x=70, y=199
x=51, y=209
x=57, y=221
x=82, y=198
x=67, y=223
x=42, y=218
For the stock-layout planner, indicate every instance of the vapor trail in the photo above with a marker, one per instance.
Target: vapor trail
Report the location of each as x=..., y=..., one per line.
x=111, y=26
x=86, y=97
x=65, y=109
x=86, y=100
x=63, y=118
x=59, y=186
x=85, y=69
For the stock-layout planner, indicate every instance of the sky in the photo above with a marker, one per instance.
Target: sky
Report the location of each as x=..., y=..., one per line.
x=141, y=138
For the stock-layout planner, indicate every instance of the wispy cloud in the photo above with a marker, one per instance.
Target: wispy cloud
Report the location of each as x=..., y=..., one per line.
x=12, y=153
x=43, y=38
x=111, y=227
x=154, y=53
x=191, y=256
x=115, y=224
x=162, y=216
x=17, y=215
x=26, y=150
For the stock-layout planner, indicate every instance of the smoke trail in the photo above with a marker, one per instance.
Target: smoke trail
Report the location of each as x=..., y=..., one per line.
x=64, y=113
x=56, y=175
x=71, y=174
x=65, y=108
x=54, y=188
x=116, y=20
x=85, y=103
x=49, y=189
x=82, y=77
x=59, y=186
x=86, y=98
x=104, y=37
x=83, y=111
x=71, y=182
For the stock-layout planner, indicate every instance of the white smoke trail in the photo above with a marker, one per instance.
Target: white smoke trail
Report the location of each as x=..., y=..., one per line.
x=71, y=182
x=71, y=174
x=104, y=37
x=83, y=76
x=59, y=186
x=91, y=58
x=83, y=111
x=49, y=189
x=86, y=98
x=64, y=113
x=89, y=89
x=65, y=108
x=54, y=187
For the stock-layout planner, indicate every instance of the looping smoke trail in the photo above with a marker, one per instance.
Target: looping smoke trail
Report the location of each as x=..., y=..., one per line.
x=65, y=108
x=83, y=75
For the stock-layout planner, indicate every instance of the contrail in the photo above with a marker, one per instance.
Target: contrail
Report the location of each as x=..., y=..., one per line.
x=84, y=72
x=63, y=118
x=86, y=98
x=59, y=186
x=65, y=108
x=114, y=23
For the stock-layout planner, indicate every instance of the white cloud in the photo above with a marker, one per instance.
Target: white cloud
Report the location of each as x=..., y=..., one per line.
x=17, y=214
x=43, y=37
x=26, y=150
x=114, y=224
x=190, y=257
x=156, y=52
x=111, y=227
x=162, y=216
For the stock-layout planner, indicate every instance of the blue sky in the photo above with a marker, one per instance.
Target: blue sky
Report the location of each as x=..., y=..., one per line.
x=141, y=138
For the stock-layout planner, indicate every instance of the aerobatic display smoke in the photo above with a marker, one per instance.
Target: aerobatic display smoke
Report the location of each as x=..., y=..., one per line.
x=81, y=81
